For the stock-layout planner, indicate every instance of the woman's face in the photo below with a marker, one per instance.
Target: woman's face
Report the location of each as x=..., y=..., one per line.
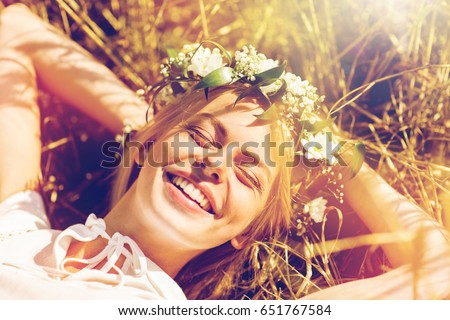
x=204, y=183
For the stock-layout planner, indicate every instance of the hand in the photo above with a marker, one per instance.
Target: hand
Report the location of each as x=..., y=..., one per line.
x=69, y=72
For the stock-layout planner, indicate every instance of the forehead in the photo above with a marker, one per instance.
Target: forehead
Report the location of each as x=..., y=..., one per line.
x=243, y=129
x=240, y=120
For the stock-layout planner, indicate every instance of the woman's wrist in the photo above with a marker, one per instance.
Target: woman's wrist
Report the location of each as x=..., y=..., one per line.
x=384, y=210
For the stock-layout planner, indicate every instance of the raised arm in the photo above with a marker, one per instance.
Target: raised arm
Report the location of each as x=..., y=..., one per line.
x=69, y=72
x=420, y=251
x=383, y=209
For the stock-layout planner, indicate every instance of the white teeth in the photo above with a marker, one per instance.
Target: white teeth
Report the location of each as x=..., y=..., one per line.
x=192, y=192
x=200, y=198
x=204, y=202
x=207, y=206
x=195, y=194
x=189, y=188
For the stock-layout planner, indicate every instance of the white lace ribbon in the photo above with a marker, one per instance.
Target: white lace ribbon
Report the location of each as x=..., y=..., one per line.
x=135, y=262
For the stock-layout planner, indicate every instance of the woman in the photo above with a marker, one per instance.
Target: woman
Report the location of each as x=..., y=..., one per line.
x=193, y=213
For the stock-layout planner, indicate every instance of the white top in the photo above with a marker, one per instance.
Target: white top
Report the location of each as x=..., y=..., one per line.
x=32, y=258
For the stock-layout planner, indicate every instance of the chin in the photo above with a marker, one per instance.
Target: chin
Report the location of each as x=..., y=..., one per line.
x=173, y=216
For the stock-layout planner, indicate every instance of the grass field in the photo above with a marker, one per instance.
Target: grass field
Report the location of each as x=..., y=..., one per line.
x=383, y=66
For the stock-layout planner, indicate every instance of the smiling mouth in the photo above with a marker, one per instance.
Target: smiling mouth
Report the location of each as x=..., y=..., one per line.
x=190, y=191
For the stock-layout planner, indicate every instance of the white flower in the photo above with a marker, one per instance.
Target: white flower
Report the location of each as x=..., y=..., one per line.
x=299, y=99
x=299, y=92
x=319, y=145
x=316, y=209
x=164, y=70
x=313, y=118
x=266, y=64
x=190, y=47
x=205, y=61
x=272, y=88
x=249, y=62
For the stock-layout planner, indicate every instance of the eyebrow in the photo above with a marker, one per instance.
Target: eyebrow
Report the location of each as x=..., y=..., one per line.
x=218, y=125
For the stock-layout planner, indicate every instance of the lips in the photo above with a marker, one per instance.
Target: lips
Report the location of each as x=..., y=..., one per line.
x=192, y=192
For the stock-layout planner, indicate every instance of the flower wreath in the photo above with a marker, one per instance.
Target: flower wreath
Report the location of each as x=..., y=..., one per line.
x=196, y=66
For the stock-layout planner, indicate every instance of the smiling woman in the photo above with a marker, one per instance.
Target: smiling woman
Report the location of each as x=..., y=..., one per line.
x=170, y=200
x=235, y=172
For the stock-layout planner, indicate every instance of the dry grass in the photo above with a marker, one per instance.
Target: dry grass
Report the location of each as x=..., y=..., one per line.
x=384, y=67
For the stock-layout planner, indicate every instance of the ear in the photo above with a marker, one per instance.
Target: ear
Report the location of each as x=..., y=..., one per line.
x=239, y=242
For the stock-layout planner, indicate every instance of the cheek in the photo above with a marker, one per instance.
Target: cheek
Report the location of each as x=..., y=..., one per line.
x=251, y=204
x=246, y=204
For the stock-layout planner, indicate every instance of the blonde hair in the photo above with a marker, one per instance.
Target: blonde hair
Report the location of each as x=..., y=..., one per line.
x=222, y=272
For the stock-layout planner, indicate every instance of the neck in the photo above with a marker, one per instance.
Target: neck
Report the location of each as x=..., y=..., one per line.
x=87, y=250
x=169, y=256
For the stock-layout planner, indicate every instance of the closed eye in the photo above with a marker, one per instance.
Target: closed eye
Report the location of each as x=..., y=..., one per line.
x=202, y=137
x=248, y=178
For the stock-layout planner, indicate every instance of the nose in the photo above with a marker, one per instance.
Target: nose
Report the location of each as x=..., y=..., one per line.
x=212, y=167
x=217, y=174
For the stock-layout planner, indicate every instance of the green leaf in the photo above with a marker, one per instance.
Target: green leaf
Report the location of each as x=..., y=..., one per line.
x=358, y=158
x=282, y=90
x=219, y=77
x=266, y=82
x=257, y=88
x=172, y=53
x=273, y=73
x=246, y=93
x=250, y=91
x=270, y=114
